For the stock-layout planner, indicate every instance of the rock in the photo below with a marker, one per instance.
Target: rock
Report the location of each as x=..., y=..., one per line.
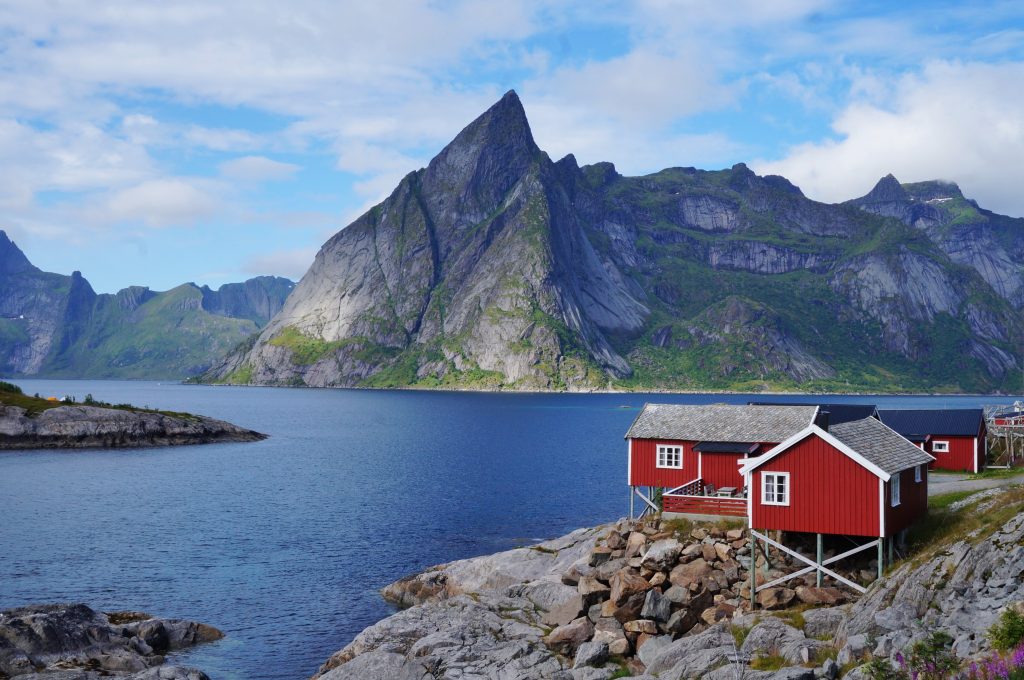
x=591, y=654
x=708, y=552
x=641, y=626
x=723, y=551
x=773, y=637
x=635, y=544
x=566, y=639
x=830, y=669
x=592, y=590
x=681, y=622
x=599, y=556
x=379, y=665
x=693, y=656
x=560, y=603
x=822, y=623
x=619, y=646
x=656, y=606
x=678, y=595
x=775, y=598
x=689, y=574
x=652, y=647
x=630, y=609
x=615, y=541
x=73, y=427
x=74, y=636
x=819, y=596
x=662, y=554
x=720, y=612
x=626, y=583
x=605, y=572
x=735, y=534
x=658, y=579
x=855, y=649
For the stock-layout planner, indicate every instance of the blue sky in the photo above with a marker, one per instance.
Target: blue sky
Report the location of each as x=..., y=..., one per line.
x=158, y=143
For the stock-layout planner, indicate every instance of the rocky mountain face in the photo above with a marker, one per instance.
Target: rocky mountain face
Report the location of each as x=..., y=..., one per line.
x=496, y=267
x=56, y=325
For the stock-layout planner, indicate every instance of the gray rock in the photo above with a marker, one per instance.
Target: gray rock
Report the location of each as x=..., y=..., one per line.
x=773, y=637
x=75, y=637
x=823, y=623
x=656, y=606
x=652, y=648
x=662, y=554
x=592, y=653
x=379, y=665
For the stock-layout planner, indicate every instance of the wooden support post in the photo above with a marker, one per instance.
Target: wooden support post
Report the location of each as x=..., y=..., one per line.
x=892, y=540
x=821, y=556
x=631, y=488
x=767, y=559
x=753, y=569
x=881, y=562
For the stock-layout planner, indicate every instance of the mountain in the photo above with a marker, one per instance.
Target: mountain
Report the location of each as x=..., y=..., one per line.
x=495, y=267
x=57, y=326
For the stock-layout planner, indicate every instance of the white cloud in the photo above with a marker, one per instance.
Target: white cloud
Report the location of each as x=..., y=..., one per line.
x=159, y=203
x=257, y=169
x=955, y=121
x=291, y=264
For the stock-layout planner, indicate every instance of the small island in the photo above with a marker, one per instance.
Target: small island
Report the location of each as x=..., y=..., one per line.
x=35, y=422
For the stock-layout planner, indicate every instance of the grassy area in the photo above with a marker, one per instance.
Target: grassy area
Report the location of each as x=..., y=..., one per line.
x=12, y=395
x=999, y=474
x=772, y=662
x=943, y=526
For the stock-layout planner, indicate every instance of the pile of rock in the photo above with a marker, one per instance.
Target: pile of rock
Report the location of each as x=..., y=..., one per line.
x=75, y=642
x=644, y=582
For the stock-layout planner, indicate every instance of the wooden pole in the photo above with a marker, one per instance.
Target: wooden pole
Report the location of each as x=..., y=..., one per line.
x=890, y=550
x=632, y=491
x=881, y=563
x=821, y=557
x=753, y=568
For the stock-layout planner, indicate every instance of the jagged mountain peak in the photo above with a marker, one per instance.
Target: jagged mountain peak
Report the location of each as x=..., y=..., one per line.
x=887, y=190
x=12, y=260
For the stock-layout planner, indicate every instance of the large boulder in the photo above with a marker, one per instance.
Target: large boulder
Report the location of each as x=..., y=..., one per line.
x=775, y=598
x=626, y=583
x=567, y=639
x=690, y=574
x=656, y=606
x=662, y=554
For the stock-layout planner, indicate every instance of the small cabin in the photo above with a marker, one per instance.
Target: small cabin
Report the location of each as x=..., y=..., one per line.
x=691, y=453
x=857, y=478
x=956, y=438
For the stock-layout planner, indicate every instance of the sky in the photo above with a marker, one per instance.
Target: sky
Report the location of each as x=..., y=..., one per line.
x=154, y=143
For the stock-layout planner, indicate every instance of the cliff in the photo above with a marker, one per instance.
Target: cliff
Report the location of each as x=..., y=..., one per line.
x=495, y=267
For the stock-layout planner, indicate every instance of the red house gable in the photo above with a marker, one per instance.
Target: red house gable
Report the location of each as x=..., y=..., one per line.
x=839, y=482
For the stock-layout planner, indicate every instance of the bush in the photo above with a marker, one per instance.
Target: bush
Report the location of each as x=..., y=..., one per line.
x=1008, y=631
x=929, y=659
x=9, y=387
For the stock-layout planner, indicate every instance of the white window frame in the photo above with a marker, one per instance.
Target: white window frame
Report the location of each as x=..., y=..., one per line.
x=894, y=490
x=917, y=473
x=764, y=488
x=944, y=449
x=664, y=454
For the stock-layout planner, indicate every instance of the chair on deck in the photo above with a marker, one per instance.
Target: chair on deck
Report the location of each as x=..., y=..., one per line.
x=710, y=490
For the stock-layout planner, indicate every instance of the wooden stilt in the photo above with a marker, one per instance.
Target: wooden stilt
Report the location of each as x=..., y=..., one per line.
x=890, y=561
x=753, y=569
x=881, y=561
x=632, y=489
x=821, y=555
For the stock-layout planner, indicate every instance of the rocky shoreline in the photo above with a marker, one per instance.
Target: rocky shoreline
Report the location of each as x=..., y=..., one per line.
x=628, y=600
x=75, y=642
x=80, y=426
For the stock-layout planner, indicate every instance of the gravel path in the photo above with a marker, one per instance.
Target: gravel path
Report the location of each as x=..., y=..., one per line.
x=943, y=483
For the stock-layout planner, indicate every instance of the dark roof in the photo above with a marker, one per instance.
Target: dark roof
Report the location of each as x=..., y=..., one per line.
x=837, y=413
x=880, y=445
x=958, y=422
x=720, y=422
x=726, y=447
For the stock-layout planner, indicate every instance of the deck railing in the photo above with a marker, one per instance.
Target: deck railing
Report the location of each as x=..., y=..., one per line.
x=689, y=498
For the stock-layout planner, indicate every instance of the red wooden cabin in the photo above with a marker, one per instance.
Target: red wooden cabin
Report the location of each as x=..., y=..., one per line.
x=956, y=438
x=692, y=452
x=858, y=478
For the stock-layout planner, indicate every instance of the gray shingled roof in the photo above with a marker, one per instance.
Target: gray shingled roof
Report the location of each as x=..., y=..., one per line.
x=880, y=445
x=720, y=422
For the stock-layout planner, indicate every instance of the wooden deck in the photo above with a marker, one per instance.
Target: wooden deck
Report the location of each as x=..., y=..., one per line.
x=690, y=499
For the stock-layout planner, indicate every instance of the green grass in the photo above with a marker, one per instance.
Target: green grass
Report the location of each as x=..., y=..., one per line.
x=34, y=405
x=944, y=500
x=306, y=350
x=941, y=526
x=999, y=473
x=771, y=662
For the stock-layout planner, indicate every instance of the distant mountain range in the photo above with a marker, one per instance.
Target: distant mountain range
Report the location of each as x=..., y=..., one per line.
x=495, y=267
x=56, y=326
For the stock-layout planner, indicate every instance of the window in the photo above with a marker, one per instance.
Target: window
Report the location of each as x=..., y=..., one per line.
x=775, y=488
x=940, y=447
x=670, y=457
x=917, y=473
x=894, y=489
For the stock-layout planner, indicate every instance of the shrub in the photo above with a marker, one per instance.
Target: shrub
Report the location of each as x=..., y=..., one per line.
x=9, y=387
x=1008, y=631
x=929, y=659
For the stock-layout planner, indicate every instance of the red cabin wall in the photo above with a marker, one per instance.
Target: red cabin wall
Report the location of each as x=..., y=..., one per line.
x=960, y=456
x=644, y=470
x=721, y=469
x=913, y=502
x=829, y=492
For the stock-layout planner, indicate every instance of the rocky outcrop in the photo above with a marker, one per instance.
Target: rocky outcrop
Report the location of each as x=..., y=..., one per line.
x=76, y=426
x=74, y=642
x=496, y=268
x=580, y=607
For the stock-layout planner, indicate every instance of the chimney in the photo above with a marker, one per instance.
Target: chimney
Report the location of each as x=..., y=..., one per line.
x=822, y=420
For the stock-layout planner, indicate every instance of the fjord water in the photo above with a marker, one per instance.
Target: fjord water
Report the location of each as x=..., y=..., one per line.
x=284, y=543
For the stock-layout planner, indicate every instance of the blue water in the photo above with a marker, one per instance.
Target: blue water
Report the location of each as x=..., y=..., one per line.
x=284, y=543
